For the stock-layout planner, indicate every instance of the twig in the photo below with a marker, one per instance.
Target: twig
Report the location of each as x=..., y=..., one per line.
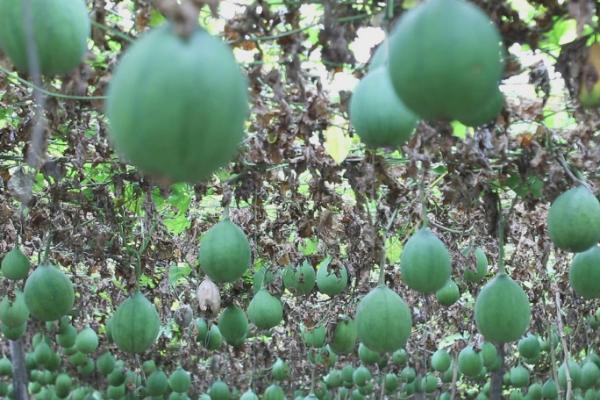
x=565, y=166
x=17, y=355
x=563, y=341
x=553, y=357
x=454, y=376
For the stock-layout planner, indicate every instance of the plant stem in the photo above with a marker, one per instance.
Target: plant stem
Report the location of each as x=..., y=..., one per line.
x=500, y=237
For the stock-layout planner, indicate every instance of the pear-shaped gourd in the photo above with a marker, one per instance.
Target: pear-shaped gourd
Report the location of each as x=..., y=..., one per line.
x=331, y=280
x=157, y=383
x=86, y=341
x=502, y=310
x=49, y=293
x=519, y=376
x=529, y=347
x=469, y=362
x=383, y=320
x=274, y=392
x=315, y=336
x=477, y=255
x=440, y=360
x=265, y=310
x=105, y=363
x=344, y=336
x=213, y=339
x=14, y=314
x=574, y=220
x=300, y=280
x=280, y=370
x=448, y=294
x=135, y=324
x=377, y=114
x=180, y=380
x=15, y=264
x=219, y=391
x=584, y=275
x=425, y=262
x=249, y=395
x=159, y=79
x=224, y=252
x=233, y=325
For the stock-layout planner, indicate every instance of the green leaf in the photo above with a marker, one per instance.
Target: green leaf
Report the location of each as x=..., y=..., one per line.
x=178, y=274
x=337, y=143
x=310, y=246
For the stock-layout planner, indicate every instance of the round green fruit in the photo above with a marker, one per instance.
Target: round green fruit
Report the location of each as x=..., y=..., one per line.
x=529, y=347
x=481, y=264
x=274, y=392
x=368, y=356
x=5, y=367
x=60, y=31
x=249, y=395
x=176, y=107
x=584, y=274
x=233, y=325
x=62, y=385
x=265, y=310
x=519, y=376
x=331, y=280
x=14, y=314
x=219, y=391
x=377, y=114
x=280, y=370
x=469, y=362
x=463, y=53
x=213, y=339
x=105, y=363
x=68, y=337
x=49, y=293
x=549, y=390
x=13, y=333
x=224, y=252
x=574, y=220
x=391, y=383
x=86, y=341
x=15, y=264
x=590, y=374
x=300, y=280
x=314, y=337
x=486, y=113
x=425, y=261
x=383, y=320
x=440, y=360
x=502, y=310
x=180, y=380
x=574, y=373
x=135, y=324
x=344, y=337
x=157, y=383
x=448, y=294
x=361, y=375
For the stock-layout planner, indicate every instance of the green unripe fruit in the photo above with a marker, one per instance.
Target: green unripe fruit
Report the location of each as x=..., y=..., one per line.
x=219, y=391
x=383, y=320
x=148, y=366
x=314, y=337
x=429, y=383
x=157, y=383
x=574, y=220
x=249, y=395
x=15, y=264
x=549, y=390
x=425, y=262
x=159, y=135
x=87, y=367
x=486, y=113
x=201, y=329
x=481, y=264
x=86, y=341
x=377, y=114
x=584, y=274
x=105, y=363
x=115, y=392
x=274, y=392
x=440, y=360
x=390, y=383
x=333, y=379
x=62, y=385
x=408, y=374
x=67, y=338
x=224, y=253
x=361, y=375
x=265, y=311
x=464, y=59
x=49, y=293
x=233, y=325
x=535, y=391
x=519, y=376
x=280, y=370
x=13, y=333
x=331, y=280
x=42, y=353
x=180, y=380
x=214, y=339
x=347, y=373
x=399, y=357
x=502, y=310
x=448, y=294
x=529, y=347
x=368, y=356
x=574, y=372
x=590, y=374
x=135, y=324
x=344, y=337
x=60, y=31
x=300, y=280
x=14, y=314
x=469, y=362
x=5, y=367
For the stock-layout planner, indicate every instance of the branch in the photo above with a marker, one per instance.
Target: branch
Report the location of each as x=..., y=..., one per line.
x=17, y=356
x=563, y=341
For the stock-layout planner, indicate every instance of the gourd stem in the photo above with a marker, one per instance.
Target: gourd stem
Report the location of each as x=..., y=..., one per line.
x=382, y=266
x=389, y=12
x=47, y=249
x=423, y=201
x=500, y=238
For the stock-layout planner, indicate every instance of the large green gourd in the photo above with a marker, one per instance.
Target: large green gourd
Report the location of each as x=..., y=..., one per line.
x=448, y=294
x=300, y=280
x=157, y=383
x=60, y=31
x=584, y=274
x=469, y=362
x=224, y=252
x=180, y=380
x=486, y=113
x=15, y=264
x=219, y=391
x=502, y=310
x=425, y=262
x=377, y=114
x=445, y=59
x=135, y=324
x=233, y=325
x=48, y=293
x=86, y=341
x=383, y=320
x=176, y=106
x=574, y=220
x=265, y=310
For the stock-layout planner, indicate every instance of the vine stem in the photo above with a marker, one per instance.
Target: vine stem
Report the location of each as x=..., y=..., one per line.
x=422, y=199
x=553, y=356
x=563, y=341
